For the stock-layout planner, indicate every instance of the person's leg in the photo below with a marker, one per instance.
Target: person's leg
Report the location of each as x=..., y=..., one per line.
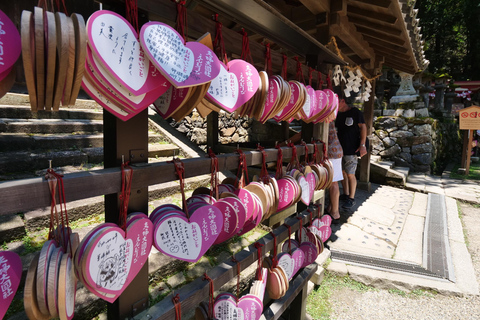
x=352, y=185
x=334, y=192
x=350, y=166
x=345, y=186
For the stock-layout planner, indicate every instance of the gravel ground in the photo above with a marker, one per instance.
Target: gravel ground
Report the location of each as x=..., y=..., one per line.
x=381, y=304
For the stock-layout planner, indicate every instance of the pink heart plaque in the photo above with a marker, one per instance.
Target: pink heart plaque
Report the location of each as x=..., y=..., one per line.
x=186, y=240
x=10, y=43
x=170, y=101
x=310, y=252
x=98, y=71
x=115, y=43
x=287, y=263
x=240, y=212
x=105, y=101
x=251, y=306
x=183, y=65
x=10, y=275
x=306, y=196
x=294, y=96
x=224, y=90
x=286, y=194
x=248, y=80
x=310, y=177
x=114, y=261
x=325, y=233
x=230, y=220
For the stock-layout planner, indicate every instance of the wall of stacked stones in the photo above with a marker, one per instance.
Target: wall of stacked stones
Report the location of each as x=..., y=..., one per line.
x=230, y=129
x=422, y=144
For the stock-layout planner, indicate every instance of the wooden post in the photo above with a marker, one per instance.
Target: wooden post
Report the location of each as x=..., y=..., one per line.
x=463, y=164
x=469, y=151
x=364, y=176
x=128, y=139
x=212, y=131
x=298, y=308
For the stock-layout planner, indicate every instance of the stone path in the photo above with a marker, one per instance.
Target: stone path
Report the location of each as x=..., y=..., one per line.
x=389, y=223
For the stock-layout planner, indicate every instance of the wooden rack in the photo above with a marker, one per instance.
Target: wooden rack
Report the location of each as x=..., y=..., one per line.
x=28, y=194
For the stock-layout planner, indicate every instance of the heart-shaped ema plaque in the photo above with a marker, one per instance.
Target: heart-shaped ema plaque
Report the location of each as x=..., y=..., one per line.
x=184, y=65
x=10, y=275
x=224, y=90
x=114, y=42
x=10, y=44
x=188, y=239
x=248, y=307
x=108, y=258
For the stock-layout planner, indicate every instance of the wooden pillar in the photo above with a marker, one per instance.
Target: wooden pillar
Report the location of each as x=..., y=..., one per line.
x=364, y=179
x=212, y=130
x=128, y=139
x=467, y=150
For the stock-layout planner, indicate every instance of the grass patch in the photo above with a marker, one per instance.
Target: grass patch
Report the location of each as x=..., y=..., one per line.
x=318, y=304
x=474, y=173
x=460, y=216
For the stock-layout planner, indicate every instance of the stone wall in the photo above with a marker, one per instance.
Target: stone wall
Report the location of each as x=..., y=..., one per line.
x=422, y=144
x=230, y=129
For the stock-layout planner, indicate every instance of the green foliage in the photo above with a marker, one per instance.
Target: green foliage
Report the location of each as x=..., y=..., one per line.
x=318, y=305
x=451, y=33
x=474, y=173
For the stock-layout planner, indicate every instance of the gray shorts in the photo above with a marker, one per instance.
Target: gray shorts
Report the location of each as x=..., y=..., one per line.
x=349, y=164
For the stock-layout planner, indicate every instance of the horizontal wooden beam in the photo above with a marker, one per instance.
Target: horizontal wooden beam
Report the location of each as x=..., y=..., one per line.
x=399, y=66
x=360, y=21
x=386, y=51
x=381, y=36
x=379, y=42
x=342, y=28
x=29, y=194
x=378, y=3
x=317, y=6
x=388, y=18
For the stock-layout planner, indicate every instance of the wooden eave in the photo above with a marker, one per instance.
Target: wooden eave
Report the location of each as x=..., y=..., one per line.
x=375, y=30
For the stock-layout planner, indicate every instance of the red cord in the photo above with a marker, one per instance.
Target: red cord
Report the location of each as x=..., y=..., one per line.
x=238, y=276
x=210, y=295
x=279, y=172
x=284, y=67
x=214, y=174
x=259, y=246
x=268, y=60
x=178, y=307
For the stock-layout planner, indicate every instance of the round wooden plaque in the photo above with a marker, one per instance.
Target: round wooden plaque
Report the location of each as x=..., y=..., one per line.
x=39, y=35
x=50, y=55
x=63, y=51
x=30, y=292
x=28, y=56
x=80, y=54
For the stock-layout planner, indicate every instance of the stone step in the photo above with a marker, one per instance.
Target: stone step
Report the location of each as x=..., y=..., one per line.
x=66, y=141
x=163, y=150
x=374, y=158
x=386, y=164
x=395, y=178
x=26, y=161
x=50, y=125
x=22, y=112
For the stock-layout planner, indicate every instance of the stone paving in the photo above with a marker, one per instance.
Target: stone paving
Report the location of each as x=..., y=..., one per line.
x=389, y=223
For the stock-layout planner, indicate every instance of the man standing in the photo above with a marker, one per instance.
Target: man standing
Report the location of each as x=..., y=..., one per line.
x=352, y=133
